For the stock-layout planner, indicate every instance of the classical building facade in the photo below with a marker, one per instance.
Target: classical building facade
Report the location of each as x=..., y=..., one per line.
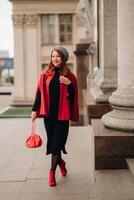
x=40, y=26
x=105, y=25
x=113, y=78
x=109, y=96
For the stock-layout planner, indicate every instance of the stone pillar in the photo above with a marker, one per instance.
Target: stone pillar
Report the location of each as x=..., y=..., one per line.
x=18, y=21
x=26, y=58
x=31, y=55
x=82, y=62
x=122, y=100
x=104, y=81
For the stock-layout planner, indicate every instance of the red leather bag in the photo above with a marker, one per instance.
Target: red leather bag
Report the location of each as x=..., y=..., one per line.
x=33, y=140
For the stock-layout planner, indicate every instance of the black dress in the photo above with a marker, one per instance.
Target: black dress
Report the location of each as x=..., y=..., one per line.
x=57, y=130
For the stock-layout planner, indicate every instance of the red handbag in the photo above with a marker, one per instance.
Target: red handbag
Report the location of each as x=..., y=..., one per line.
x=33, y=140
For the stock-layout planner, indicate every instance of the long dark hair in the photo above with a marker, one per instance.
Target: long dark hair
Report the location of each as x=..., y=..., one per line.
x=50, y=68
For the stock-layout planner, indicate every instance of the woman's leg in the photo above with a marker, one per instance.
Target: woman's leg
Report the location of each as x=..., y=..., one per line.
x=58, y=144
x=49, y=126
x=60, y=135
x=55, y=160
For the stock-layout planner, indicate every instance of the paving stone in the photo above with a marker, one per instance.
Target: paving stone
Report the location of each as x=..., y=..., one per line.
x=10, y=190
x=93, y=198
x=115, y=185
x=68, y=197
x=54, y=196
x=91, y=189
x=30, y=167
x=130, y=163
x=39, y=168
x=15, y=171
x=76, y=169
x=72, y=186
x=39, y=189
x=35, y=190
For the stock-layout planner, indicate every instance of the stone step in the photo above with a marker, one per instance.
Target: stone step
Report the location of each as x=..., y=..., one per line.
x=112, y=147
x=114, y=185
x=130, y=163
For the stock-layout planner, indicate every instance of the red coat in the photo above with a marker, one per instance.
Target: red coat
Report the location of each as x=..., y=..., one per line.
x=67, y=110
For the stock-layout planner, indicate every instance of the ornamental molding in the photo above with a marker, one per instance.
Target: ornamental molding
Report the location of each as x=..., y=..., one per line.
x=31, y=19
x=18, y=19
x=92, y=48
x=28, y=20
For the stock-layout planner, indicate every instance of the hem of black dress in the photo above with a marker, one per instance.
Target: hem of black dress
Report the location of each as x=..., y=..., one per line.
x=49, y=152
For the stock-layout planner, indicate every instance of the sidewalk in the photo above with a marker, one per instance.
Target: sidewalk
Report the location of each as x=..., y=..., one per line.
x=24, y=172
x=5, y=101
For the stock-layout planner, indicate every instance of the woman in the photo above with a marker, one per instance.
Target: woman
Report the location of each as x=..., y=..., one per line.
x=57, y=102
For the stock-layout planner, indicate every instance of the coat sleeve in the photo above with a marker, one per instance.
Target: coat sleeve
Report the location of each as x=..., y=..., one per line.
x=37, y=101
x=39, y=97
x=71, y=91
x=74, y=102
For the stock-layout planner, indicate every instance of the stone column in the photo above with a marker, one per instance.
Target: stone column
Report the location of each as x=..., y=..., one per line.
x=122, y=100
x=82, y=62
x=104, y=80
x=26, y=60
x=18, y=21
x=32, y=55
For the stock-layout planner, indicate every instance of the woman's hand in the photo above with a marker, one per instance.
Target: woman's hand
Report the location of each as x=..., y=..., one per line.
x=64, y=80
x=33, y=115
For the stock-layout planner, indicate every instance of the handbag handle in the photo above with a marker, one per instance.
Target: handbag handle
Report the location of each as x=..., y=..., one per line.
x=33, y=126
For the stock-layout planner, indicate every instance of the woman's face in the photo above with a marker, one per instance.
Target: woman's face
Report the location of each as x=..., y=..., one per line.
x=56, y=59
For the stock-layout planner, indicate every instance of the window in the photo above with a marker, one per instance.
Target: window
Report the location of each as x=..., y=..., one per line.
x=48, y=28
x=65, y=28
x=57, y=28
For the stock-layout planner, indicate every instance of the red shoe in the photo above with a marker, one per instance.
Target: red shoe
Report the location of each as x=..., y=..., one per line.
x=52, y=181
x=63, y=169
